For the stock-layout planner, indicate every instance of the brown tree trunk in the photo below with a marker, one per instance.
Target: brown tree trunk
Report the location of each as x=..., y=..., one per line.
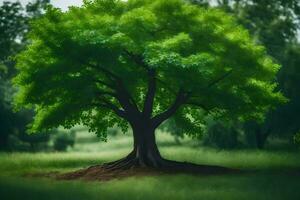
x=145, y=152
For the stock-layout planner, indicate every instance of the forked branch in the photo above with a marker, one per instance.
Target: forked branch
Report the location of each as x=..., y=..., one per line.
x=114, y=108
x=220, y=79
x=197, y=104
x=149, y=99
x=179, y=101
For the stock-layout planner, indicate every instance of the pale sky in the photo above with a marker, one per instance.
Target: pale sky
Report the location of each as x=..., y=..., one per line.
x=63, y=4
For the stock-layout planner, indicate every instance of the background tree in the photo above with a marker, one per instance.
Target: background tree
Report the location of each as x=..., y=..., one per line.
x=221, y=134
x=138, y=63
x=5, y=114
x=274, y=24
x=14, y=25
x=64, y=140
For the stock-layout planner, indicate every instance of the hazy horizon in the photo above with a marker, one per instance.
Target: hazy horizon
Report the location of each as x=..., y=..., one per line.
x=63, y=4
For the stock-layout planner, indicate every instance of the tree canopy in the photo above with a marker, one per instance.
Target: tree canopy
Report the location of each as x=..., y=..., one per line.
x=110, y=62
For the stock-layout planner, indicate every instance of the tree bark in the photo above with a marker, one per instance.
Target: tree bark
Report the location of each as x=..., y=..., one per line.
x=145, y=152
x=145, y=148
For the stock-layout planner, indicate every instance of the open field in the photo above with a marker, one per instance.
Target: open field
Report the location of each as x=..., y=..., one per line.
x=269, y=175
x=207, y=93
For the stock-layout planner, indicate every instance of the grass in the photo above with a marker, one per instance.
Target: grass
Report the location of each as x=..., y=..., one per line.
x=272, y=175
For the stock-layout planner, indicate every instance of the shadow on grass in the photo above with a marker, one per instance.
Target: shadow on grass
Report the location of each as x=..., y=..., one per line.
x=259, y=186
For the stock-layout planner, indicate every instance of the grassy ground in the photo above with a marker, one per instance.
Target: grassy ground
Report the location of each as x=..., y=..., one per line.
x=271, y=175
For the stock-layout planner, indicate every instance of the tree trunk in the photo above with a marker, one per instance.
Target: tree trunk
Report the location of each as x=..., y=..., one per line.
x=261, y=137
x=145, y=153
x=145, y=149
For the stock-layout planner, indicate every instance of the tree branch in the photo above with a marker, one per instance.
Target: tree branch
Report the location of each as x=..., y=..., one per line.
x=149, y=99
x=106, y=93
x=114, y=108
x=197, y=104
x=108, y=73
x=148, y=104
x=122, y=95
x=111, y=86
x=125, y=99
x=167, y=86
x=180, y=100
x=219, y=79
x=137, y=59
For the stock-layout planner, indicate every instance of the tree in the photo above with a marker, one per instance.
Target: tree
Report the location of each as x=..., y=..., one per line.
x=274, y=24
x=138, y=63
x=5, y=116
x=64, y=140
x=221, y=135
x=285, y=119
x=14, y=25
x=14, y=21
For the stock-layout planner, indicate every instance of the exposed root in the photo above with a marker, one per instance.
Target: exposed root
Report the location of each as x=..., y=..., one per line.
x=132, y=166
x=191, y=168
x=122, y=164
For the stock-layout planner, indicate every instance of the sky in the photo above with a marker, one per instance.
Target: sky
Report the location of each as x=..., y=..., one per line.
x=63, y=4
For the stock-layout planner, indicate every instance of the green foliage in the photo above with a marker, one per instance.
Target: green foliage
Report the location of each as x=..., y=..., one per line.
x=203, y=52
x=28, y=143
x=63, y=140
x=221, y=135
x=274, y=24
x=285, y=119
x=192, y=124
x=13, y=27
x=296, y=138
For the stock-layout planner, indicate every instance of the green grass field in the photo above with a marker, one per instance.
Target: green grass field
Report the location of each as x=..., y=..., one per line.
x=269, y=175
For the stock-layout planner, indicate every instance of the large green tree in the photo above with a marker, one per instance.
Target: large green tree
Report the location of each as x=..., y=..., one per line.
x=137, y=63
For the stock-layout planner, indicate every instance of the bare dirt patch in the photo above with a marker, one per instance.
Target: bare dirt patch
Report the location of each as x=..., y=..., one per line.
x=102, y=173
x=132, y=166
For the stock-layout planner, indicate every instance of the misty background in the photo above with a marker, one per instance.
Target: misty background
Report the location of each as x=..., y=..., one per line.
x=63, y=4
